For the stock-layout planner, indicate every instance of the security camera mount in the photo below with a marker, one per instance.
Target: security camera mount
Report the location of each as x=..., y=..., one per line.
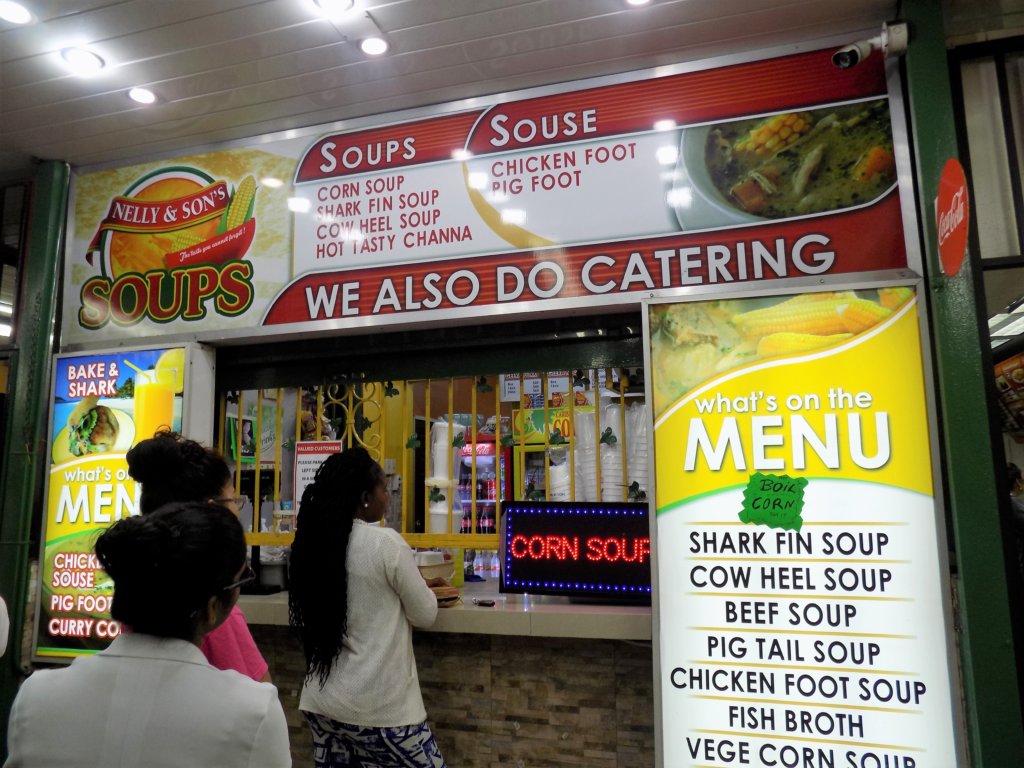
x=892, y=41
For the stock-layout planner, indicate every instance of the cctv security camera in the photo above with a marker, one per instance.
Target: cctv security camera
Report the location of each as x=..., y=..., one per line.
x=853, y=54
x=892, y=42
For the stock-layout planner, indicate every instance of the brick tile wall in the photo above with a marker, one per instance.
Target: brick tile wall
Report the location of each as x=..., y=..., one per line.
x=513, y=702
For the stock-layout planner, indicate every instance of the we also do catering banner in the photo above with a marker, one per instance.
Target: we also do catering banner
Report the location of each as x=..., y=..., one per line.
x=800, y=590
x=582, y=195
x=102, y=405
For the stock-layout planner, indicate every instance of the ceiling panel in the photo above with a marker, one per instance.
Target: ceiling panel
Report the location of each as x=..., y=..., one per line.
x=229, y=69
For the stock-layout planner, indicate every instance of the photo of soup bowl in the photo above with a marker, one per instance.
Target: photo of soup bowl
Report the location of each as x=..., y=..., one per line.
x=696, y=201
x=784, y=165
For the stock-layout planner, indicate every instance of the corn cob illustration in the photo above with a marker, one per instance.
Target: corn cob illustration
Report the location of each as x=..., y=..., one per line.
x=774, y=134
x=810, y=298
x=184, y=239
x=238, y=209
x=814, y=317
x=892, y=298
x=860, y=314
x=785, y=342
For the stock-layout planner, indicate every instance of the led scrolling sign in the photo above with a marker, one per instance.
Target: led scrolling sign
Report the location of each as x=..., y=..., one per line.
x=598, y=550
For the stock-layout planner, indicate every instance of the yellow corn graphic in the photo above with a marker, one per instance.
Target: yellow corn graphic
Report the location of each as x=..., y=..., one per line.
x=796, y=315
x=860, y=314
x=184, y=239
x=239, y=206
x=810, y=298
x=892, y=298
x=785, y=342
x=774, y=134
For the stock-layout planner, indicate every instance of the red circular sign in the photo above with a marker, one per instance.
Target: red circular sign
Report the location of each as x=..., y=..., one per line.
x=951, y=217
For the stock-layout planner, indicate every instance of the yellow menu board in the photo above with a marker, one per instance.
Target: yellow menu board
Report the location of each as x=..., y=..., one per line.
x=800, y=598
x=102, y=404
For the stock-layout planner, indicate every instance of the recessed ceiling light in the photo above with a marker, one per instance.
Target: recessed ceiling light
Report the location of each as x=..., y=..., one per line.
x=374, y=46
x=142, y=95
x=271, y=182
x=82, y=62
x=15, y=13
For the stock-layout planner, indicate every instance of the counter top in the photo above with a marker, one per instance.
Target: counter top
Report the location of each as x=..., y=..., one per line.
x=522, y=615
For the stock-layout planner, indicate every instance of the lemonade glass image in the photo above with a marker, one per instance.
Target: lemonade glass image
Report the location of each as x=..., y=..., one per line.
x=154, y=402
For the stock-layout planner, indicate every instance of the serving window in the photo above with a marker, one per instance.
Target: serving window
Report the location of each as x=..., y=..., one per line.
x=454, y=449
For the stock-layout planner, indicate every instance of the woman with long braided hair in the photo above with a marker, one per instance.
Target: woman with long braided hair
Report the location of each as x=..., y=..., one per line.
x=354, y=595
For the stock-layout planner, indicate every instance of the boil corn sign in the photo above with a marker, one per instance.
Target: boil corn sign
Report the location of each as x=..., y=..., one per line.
x=800, y=594
x=579, y=195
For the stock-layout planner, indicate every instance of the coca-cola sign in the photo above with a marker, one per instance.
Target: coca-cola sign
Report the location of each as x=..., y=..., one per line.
x=952, y=220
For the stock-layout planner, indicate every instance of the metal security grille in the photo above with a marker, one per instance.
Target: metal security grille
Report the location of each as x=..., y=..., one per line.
x=492, y=448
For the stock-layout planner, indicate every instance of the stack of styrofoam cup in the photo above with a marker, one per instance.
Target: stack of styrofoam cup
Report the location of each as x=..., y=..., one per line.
x=637, y=465
x=612, y=488
x=586, y=456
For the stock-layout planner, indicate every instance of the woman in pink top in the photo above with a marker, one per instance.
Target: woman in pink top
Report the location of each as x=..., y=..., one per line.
x=172, y=468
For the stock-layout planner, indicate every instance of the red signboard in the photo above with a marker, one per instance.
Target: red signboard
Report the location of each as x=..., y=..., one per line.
x=953, y=221
x=564, y=199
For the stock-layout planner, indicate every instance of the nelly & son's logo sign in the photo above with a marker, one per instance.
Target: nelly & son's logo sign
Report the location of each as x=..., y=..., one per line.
x=172, y=247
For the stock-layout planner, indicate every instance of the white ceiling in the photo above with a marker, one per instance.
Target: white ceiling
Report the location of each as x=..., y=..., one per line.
x=229, y=69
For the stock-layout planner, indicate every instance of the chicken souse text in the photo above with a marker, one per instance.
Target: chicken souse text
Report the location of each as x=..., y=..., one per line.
x=600, y=274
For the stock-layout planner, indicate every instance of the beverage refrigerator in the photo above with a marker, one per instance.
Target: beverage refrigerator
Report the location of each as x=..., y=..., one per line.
x=493, y=477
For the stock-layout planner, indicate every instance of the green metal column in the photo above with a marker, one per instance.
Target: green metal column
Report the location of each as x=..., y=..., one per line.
x=29, y=384
x=993, y=709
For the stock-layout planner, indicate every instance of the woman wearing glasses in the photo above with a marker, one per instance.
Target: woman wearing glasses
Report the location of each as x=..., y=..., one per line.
x=151, y=698
x=172, y=468
x=355, y=594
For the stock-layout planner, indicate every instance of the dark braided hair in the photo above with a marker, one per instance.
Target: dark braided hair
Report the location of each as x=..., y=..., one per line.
x=173, y=468
x=318, y=573
x=168, y=564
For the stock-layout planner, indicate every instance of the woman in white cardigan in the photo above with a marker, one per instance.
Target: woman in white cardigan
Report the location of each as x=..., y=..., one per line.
x=151, y=698
x=355, y=593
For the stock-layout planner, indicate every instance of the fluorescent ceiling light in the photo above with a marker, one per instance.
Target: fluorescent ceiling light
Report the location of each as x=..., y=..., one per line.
x=82, y=62
x=142, y=95
x=374, y=46
x=638, y=2
x=5, y=329
x=15, y=13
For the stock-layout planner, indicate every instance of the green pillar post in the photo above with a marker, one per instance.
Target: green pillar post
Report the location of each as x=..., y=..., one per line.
x=993, y=710
x=29, y=384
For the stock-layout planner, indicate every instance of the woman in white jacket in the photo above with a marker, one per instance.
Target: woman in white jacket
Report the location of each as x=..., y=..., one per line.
x=151, y=698
x=354, y=595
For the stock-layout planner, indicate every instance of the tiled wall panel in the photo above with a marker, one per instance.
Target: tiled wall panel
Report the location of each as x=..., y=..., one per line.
x=513, y=702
